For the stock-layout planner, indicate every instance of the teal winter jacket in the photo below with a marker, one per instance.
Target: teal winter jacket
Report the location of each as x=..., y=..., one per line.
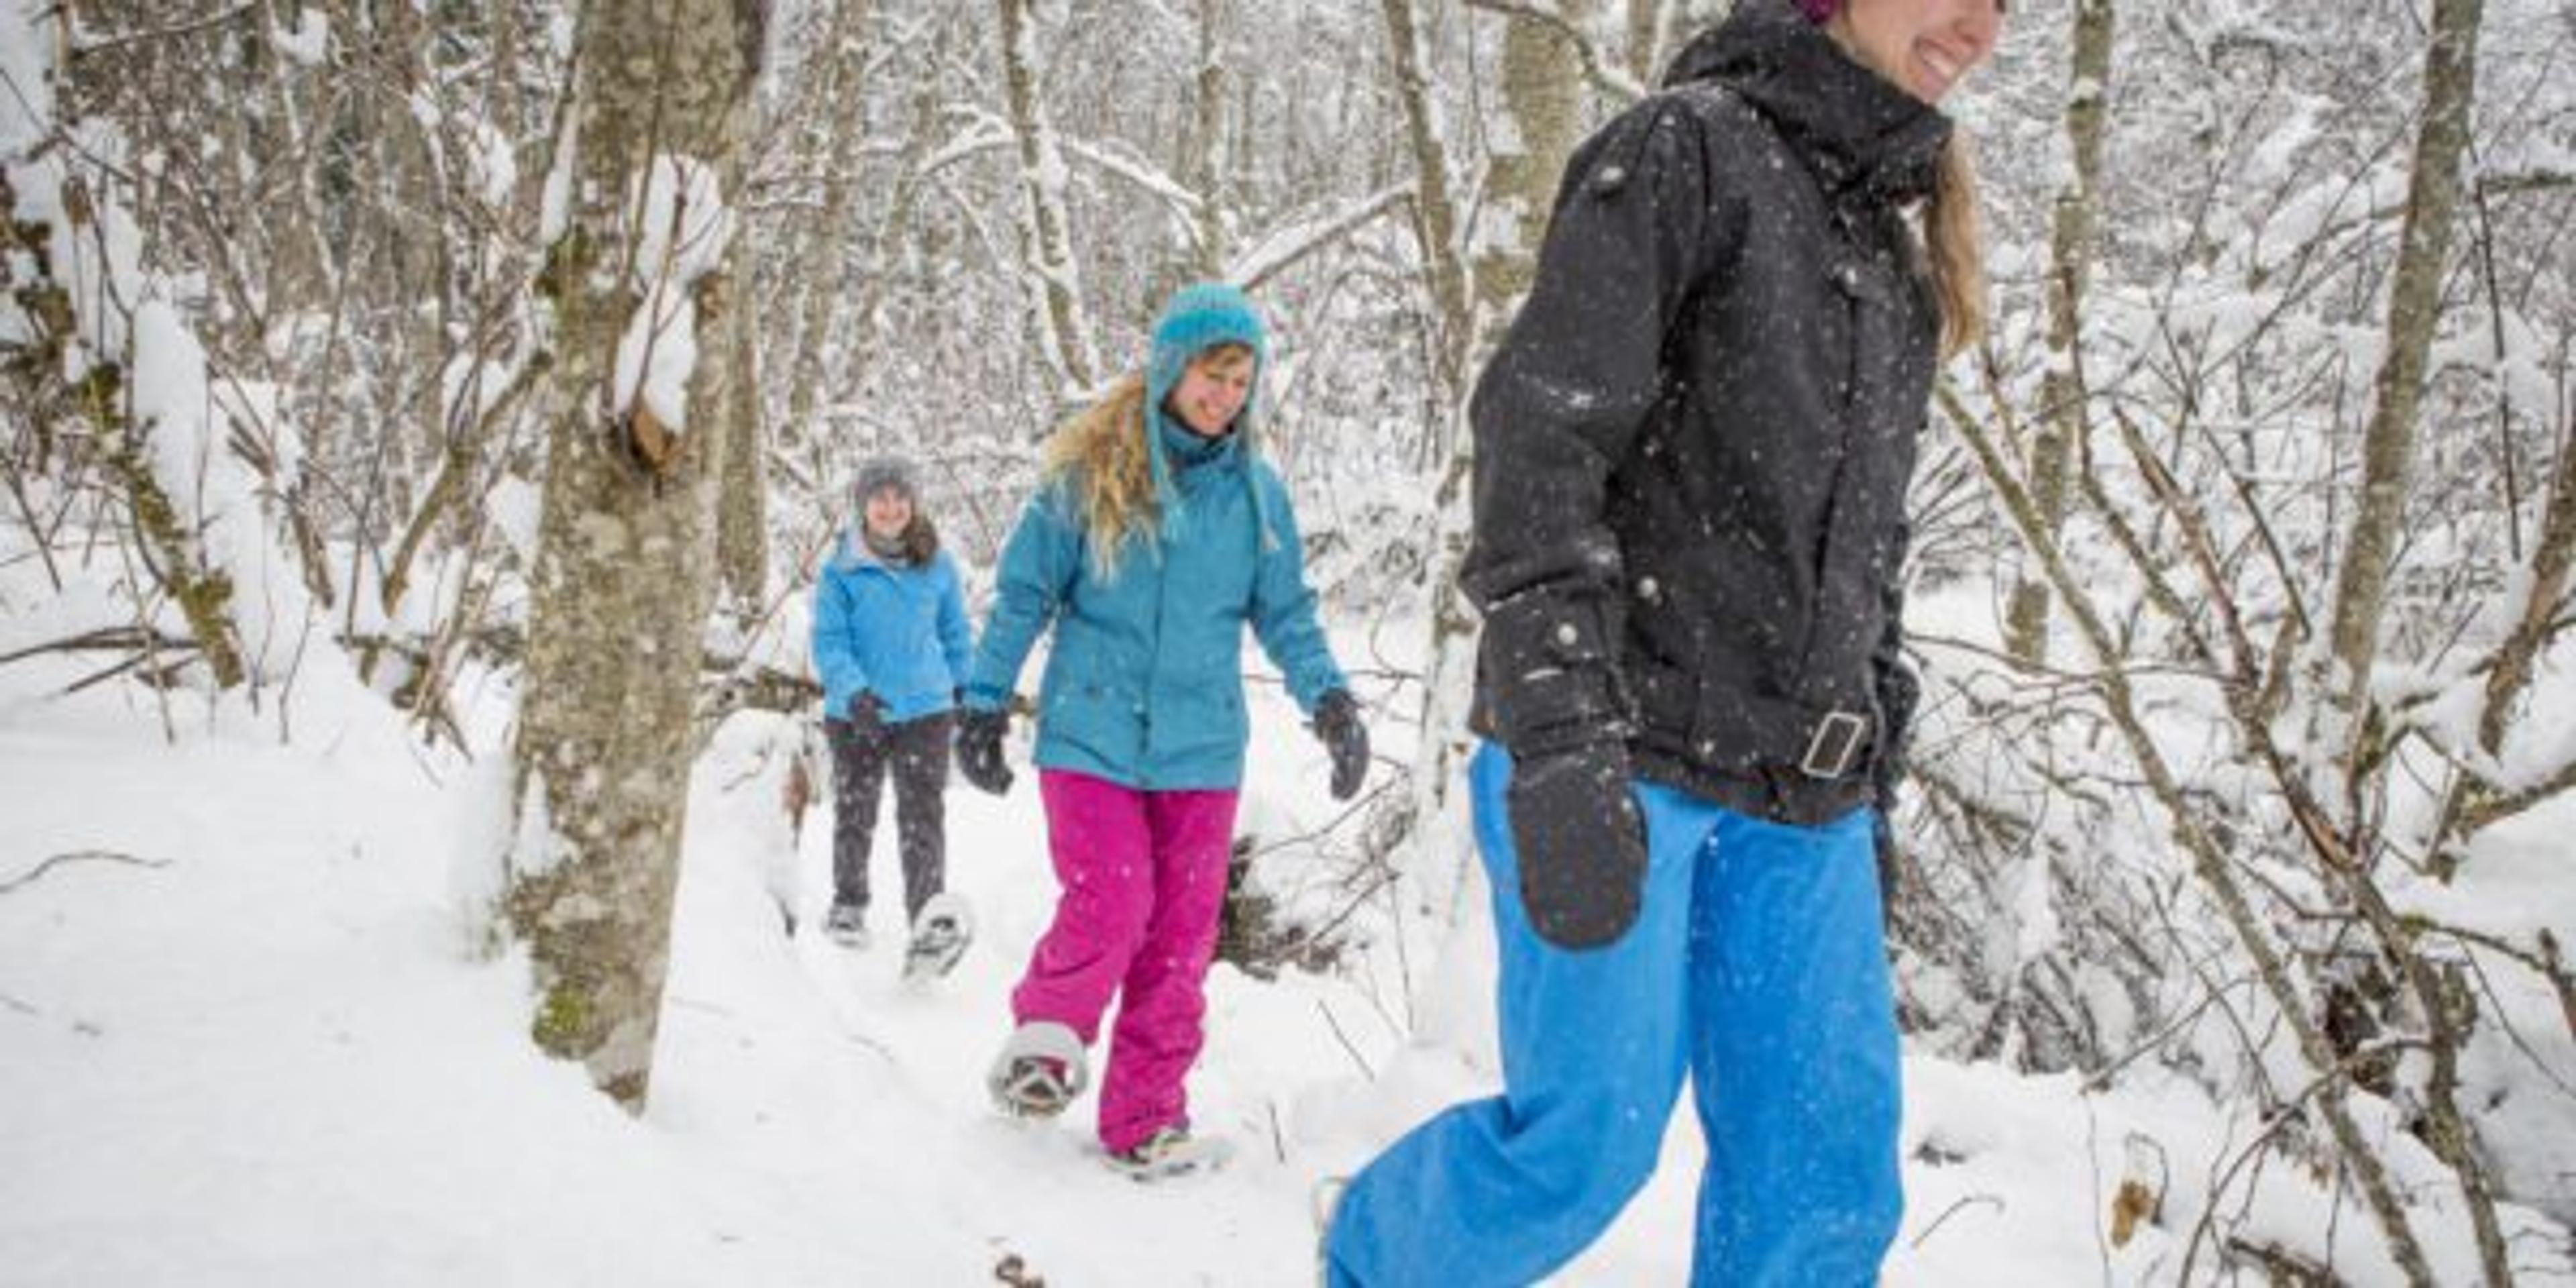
x=898, y=632
x=1144, y=685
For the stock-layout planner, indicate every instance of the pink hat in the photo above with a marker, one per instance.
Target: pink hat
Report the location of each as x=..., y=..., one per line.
x=1818, y=10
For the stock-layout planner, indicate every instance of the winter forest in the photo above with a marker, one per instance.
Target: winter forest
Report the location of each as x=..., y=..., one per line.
x=423, y=422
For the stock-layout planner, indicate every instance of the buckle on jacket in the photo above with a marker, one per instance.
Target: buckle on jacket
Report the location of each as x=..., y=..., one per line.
x=1835, y=744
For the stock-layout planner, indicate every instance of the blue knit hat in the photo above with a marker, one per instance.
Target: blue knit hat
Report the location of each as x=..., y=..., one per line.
x=1199, y=317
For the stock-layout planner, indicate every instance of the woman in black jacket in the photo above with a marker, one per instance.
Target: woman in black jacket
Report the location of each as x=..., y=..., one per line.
x=1691, y=460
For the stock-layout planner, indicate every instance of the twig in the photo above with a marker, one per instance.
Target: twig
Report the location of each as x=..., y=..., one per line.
x=1953, y=1210
x=1354, y=1052
x=187, y=28
x=77, y=856
x=101, y=640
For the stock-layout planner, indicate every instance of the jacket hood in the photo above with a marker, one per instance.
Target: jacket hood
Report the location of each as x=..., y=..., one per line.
x=1858, y=129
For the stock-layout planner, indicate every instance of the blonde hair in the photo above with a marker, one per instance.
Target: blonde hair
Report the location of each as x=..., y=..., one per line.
x=1099, y=458
x=1954, y=243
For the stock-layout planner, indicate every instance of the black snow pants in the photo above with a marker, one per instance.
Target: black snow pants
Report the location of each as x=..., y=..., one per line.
x=917, y=751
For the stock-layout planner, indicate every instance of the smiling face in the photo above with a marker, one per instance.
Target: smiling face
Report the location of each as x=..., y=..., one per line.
x=889, y=513
x=1212, y=391
x=1924, y=46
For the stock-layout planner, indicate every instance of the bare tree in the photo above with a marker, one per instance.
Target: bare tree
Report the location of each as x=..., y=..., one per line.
x=2414, y=307
x=2062, y=428
x=1064, y=327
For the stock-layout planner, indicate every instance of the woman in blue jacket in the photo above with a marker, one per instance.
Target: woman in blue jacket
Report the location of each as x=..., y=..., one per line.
x=891, y=645
x=1156, y=535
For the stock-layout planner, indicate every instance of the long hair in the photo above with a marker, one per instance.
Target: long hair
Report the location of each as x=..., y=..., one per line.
x=1098, y=457
x=920, y=539
x=1954, y=243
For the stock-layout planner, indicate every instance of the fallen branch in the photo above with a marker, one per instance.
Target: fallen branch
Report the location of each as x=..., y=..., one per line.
x=77, y=856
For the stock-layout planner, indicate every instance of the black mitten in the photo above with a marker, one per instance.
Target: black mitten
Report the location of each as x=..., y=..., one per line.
x=979, y=750
x=1582, y=844
x=1337, y=722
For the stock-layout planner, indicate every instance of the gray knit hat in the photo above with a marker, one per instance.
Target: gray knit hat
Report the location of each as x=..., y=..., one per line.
x=882, y=472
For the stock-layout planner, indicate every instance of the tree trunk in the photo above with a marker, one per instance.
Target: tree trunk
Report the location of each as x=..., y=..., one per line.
x=1205, y=162
x=2414, y=306
x=1449, y=655
x=1435, y=209
x=2070, y=246
x=1542, y=100
x=742, y=513
x=846, y=49
x=1064, y=333
x=625, y=566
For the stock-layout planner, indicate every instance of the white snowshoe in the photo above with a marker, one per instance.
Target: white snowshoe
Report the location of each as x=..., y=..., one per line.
x=1039, y=1071
x=1170, y=1152
x=939, y=937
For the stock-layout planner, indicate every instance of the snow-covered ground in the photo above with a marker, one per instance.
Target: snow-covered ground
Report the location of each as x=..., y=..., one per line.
x=243, y=1040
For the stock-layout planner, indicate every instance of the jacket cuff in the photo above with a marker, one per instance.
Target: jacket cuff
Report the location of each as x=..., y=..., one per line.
x=1549, y=667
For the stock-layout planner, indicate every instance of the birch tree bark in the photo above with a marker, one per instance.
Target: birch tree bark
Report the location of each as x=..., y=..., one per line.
x=2062, y=390
x=625, y=565
x=1542, y=119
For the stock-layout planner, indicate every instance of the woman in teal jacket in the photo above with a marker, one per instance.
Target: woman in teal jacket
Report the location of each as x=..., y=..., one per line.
x=891, y=645
x=1156, y=535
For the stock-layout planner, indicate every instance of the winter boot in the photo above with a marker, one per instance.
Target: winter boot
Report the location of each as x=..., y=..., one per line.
x=847, y=925
x=1171, y=1151
x=1039, y=1071
x=939, y=937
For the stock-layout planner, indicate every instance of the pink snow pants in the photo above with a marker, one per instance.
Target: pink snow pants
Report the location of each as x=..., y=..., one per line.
x=1142, y=876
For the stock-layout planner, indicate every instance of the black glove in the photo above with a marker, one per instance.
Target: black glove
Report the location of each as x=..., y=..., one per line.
x=979, y=750
x=866, y=714
x=1582, y=844
x=1337, y=722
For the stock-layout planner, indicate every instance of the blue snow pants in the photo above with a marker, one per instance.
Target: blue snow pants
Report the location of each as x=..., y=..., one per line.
x=1757, y=967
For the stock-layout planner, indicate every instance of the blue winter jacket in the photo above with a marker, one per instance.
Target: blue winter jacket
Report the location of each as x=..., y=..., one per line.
x=897, y=632
x=1144, y=686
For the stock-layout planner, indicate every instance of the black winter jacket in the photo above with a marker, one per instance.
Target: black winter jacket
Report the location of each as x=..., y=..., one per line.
x=1693, y=446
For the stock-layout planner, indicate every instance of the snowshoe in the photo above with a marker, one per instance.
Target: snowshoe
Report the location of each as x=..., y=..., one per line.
x=847, y=925
x=939, y=937
x=1039, y=1071
x=1170, y=1152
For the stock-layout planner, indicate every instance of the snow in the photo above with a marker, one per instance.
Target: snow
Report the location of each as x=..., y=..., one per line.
x=309, y=43
x=261, y=1046
x=185, y=420
x=682, y=230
